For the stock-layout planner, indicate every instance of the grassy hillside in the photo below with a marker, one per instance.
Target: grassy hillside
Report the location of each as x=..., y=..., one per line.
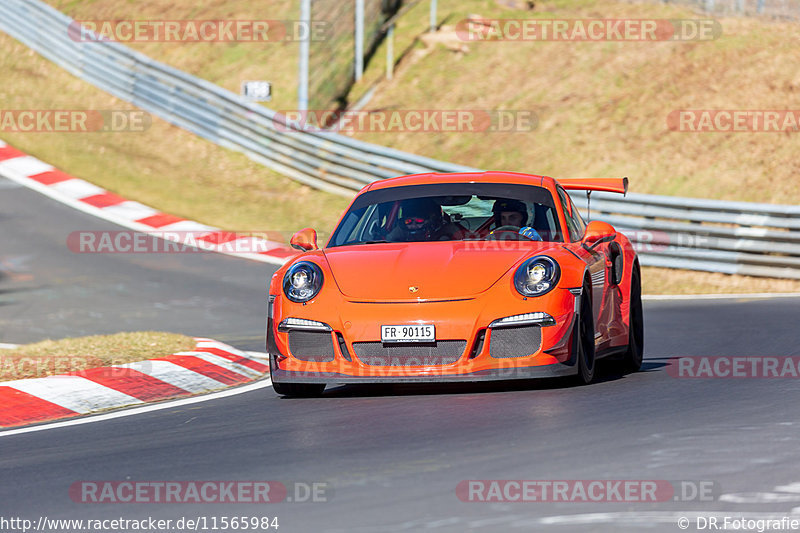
x=602, y=106
x=165, y=166
x=226, y=64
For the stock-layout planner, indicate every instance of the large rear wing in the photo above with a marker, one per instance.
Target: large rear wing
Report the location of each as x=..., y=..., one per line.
x=619, y=185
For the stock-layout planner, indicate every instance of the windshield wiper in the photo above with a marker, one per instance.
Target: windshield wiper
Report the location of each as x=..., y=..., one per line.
x=377, y=241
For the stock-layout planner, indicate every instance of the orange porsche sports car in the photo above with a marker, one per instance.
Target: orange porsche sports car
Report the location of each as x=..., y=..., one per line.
x=456, y=277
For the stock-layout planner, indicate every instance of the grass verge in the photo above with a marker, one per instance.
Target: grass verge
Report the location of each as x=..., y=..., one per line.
x=47, y=358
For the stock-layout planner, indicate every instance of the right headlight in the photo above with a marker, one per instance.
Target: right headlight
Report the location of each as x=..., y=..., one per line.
x=536, y=276
x=302, y=281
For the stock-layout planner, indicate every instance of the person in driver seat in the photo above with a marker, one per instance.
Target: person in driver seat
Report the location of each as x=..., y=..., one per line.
x=509, y=213
x=514, y=213
x=420, y=219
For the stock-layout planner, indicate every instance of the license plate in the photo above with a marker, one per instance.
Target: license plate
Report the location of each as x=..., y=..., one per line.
x=408, y=333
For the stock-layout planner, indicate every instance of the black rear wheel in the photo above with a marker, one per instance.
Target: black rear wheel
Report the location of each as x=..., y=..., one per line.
x=585, y=340
x=299, y=390
x=632, y=360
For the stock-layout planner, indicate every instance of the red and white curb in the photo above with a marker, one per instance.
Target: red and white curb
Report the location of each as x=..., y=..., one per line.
x=80, y=194
x=211, y=366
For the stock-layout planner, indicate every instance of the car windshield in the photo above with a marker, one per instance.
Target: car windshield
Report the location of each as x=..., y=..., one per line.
x=450, y=212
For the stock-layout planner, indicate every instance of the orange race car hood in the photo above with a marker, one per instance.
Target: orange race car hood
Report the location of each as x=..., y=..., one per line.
x=438, y=270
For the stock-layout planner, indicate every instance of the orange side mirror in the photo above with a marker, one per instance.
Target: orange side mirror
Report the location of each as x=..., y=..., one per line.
x=304, y=240
x=598, y=232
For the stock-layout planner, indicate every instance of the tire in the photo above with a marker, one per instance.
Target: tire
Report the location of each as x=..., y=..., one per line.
x=632, y=360
x=584, y=341
x=299, y=390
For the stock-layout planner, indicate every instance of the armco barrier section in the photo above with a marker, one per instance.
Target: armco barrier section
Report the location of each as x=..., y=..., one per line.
x=710, y=235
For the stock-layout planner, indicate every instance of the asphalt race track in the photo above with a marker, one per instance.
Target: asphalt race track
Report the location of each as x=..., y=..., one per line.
x=393, y=455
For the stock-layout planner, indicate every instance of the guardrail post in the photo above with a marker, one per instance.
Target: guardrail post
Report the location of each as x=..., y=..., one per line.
x=433, y=24
x=359, y=38
x=305, y=44
x=390, y=52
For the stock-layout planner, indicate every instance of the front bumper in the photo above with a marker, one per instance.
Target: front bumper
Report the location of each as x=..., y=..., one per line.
x=553, y=370
x=467, y=321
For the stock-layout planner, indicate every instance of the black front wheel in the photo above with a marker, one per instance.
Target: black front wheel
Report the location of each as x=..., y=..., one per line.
x=584, y=341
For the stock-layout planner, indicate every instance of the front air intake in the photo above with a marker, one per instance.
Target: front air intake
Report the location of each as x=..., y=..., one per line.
x=518, y=341
x=314, y=346
x=438, y=353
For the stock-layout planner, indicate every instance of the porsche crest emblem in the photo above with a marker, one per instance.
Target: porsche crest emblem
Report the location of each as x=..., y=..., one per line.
x=413, y=288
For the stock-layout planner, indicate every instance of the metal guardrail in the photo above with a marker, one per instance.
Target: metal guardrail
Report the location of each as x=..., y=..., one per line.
x=731, y=237
x=710, y=235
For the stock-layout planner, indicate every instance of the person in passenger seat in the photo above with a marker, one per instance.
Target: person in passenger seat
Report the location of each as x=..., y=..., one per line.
x=420, y=219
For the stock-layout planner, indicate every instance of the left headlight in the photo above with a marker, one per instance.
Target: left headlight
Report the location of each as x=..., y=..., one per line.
x=536, y=276
x=302, y=281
